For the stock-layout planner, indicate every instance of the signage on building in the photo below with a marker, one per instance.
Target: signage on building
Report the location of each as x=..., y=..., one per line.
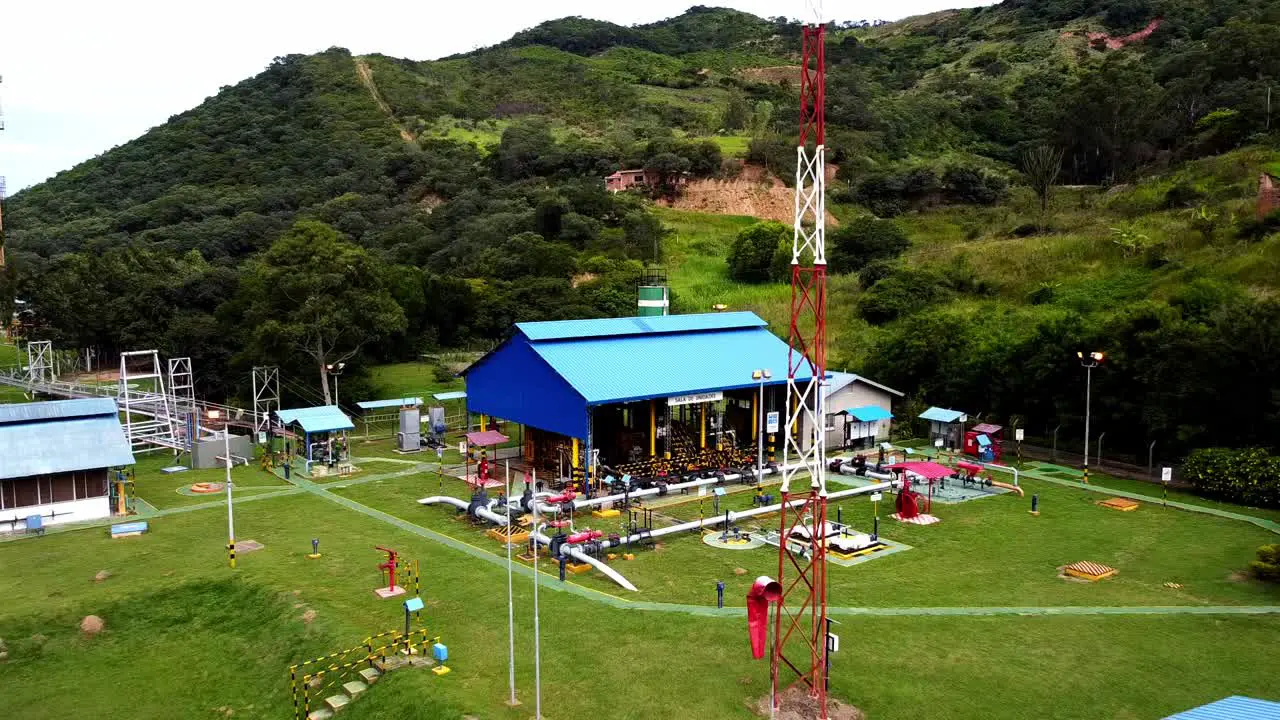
x=771, y=422
x=695, y=398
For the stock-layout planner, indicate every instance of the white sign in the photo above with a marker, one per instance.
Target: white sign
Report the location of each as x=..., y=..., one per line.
x=440, y=452
x=1018, y=434
x=875, y=497
x=695, y=398
x=462, y=447
x=833, y=642
x=1166, y=474
x=936, y=443
x=771, y=422
x=262, y=438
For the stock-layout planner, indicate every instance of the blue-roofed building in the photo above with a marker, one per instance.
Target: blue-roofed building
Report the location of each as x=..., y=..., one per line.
x=1236, y=707
x=945, y=425
x=859, y=410
x=626, y=390
x=321, y=426
x=56, y=458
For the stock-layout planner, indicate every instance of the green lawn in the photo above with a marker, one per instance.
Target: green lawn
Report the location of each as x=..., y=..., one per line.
x=411, y=379
x=732, y=145
x=161, y=490
x=171, y=603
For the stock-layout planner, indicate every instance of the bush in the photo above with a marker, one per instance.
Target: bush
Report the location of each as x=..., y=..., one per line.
x=971, y=186
x=1181, y=195
x=1249, y=477
x=865, y=239
x=901, y=293
x=1267, y=566
x=1255, y=229
x=752, y=254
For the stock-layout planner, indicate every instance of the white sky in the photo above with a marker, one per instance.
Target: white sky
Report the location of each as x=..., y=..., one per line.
x=82, y=76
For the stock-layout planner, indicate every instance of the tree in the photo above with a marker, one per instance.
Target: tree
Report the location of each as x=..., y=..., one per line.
x=668, y=167
x=316, y=295
x=751, y=257
x=761, y=117
x=736, y=113
x=854, y=245
x=1042, y=165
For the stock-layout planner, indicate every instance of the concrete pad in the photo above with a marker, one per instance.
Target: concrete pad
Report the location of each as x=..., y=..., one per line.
x=387, y=592
x=370, y=675
x=337, y=702
x=354, y=688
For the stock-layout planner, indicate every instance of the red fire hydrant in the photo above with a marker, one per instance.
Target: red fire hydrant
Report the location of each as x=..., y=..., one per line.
x=390, y=565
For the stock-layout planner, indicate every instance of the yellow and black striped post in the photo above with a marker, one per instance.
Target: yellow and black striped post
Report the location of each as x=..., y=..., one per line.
x=231, y=552
x=293, y=687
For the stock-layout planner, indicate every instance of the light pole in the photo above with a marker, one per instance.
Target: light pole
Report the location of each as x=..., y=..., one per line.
x=762, y=376
x=226, y=453
x=511, y=612
x=537, y=648
x=335, y=371
x=1088, y=362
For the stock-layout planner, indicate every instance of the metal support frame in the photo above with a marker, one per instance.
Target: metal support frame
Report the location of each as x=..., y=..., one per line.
x=149, y=414
x=182, y=387
x=800, y=621
x=40, y=361
x=266, y=396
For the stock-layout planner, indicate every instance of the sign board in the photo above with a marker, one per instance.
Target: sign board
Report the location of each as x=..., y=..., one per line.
x=833, y=642
x=462, y=447
x=1166, y=474
x=413, y=604
x=1019, y=434
x=718, y=491
x=695, y=398
x=875, y=497
x=936, y=443
x=262, y=438
x=771, y=422
x=440, y=453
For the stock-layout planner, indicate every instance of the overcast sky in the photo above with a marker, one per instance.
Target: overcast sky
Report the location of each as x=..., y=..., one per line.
x=82, y=76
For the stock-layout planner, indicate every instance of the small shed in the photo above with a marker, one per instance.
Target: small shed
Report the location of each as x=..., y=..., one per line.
x=945, y=425
x=55, y=460
x=983, y=442
x=320, y=425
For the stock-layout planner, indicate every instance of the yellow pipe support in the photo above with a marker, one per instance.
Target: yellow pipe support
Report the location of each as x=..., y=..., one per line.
x=702, y=412
x=653, y=428
x=573, y=462
x=755, y=417
x=482, y=423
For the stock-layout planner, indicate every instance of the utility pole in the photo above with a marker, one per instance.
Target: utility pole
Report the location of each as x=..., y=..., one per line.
x=1088, y=362
x=511, y=608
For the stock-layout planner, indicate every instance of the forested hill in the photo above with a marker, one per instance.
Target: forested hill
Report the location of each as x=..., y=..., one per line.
x=373, y=208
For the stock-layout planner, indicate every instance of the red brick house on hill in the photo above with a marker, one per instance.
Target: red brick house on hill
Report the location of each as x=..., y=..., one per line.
x=1268, y=195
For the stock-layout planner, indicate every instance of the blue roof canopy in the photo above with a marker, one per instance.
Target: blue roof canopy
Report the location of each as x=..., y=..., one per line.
x=400, y=402
x=942, y=415
x=61, y=436
x=1236, y=707
x=868, y=413
x=983, y=441
x=455, y=395
x=323, y=418
x=549, y=375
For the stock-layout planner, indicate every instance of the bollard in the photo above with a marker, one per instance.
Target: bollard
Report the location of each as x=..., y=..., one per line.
x=1035, y=504
x=562, y=563
x=875, y=528
x=839, y=521
x=720, y=594
x=315, y=549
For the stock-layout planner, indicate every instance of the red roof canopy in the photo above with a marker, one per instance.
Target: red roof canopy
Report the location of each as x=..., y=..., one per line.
x=925, y=469
x=486, y=438
x=986, y=429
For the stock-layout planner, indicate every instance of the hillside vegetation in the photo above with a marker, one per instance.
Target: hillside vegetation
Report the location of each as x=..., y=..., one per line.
x=368, y=209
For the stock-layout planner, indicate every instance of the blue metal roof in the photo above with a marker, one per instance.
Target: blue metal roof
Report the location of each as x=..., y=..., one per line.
x=869, y=413
x=1236, y=707
x=638, y=367
x=324, y=418
x=399, y=402
x=455, y=395
x=35, y=411
x=942, y=415
x=615, y=327
x=61, y=436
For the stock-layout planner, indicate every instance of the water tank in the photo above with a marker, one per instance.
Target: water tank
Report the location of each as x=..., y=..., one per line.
x=654, y=295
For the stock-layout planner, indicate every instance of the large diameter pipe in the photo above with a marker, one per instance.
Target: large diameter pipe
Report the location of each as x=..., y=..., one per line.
x=676, y=487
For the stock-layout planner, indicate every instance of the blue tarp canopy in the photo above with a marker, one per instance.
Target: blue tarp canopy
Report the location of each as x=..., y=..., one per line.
x=455, y=395
x=549, y=374
x=984, y=441
x=942, y=415
x=1236, y=707
x=868, y=413
x=43, y=438
x=324, y=418
x=378, y=404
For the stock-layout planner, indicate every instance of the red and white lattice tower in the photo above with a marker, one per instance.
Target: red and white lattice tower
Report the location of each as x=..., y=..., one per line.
x=800, y=622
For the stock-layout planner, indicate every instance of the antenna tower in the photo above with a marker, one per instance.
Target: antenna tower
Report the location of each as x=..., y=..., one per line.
x=800, y=621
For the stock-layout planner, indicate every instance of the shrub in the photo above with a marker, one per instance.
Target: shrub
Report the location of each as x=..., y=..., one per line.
x=1181, y=195
x=1267, y=566
x=1250, y=476
x=972, y=186
x=751, y=257
x=1255, y=229
x=865, y=239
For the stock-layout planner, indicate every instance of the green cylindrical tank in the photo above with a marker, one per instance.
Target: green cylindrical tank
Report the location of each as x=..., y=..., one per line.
x=654, y=301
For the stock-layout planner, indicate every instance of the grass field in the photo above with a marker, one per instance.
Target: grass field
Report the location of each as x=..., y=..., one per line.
x=171, y=601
